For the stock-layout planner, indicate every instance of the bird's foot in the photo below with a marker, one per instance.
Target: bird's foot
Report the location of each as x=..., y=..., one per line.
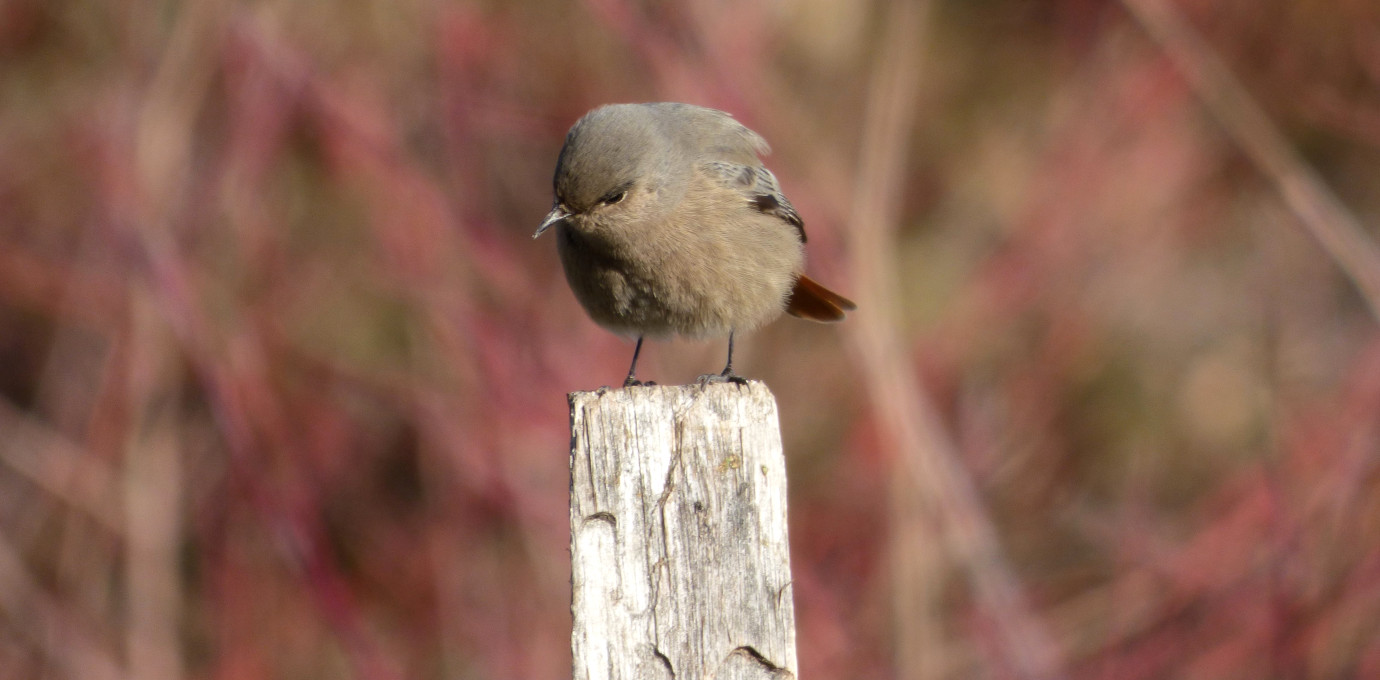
x=634, y=382
x=728, y=376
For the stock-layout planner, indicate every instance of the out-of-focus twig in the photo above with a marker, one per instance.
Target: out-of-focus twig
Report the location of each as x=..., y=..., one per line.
x=58, y=466
x=1321, y=212
x=228, y=371
x=153, y=482
x=41, y=618
x=935, y=484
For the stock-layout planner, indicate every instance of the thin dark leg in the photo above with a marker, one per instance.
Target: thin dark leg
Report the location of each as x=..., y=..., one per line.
x=728, y=367
x=631, y=381
x=728, y=375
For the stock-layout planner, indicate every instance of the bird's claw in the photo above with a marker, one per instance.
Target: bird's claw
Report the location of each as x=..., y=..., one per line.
x=727, y=376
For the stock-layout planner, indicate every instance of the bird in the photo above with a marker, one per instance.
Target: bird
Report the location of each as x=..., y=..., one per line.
x=667, y=223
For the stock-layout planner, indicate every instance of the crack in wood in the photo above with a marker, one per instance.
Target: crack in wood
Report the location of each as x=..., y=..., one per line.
x=757, y=659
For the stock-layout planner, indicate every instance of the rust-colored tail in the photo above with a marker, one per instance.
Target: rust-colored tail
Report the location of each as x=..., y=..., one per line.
x=809, y=300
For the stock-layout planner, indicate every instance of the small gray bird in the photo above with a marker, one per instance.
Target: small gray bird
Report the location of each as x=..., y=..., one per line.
x=667, y=223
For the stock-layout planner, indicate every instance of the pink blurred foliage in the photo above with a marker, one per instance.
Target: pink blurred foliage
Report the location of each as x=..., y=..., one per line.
x=290, y=244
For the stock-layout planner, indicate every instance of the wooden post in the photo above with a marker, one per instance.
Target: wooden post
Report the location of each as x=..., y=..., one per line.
x=680, y=564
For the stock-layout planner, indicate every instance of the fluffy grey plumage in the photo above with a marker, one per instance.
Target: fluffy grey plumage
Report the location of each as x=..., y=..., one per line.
x=667, y=223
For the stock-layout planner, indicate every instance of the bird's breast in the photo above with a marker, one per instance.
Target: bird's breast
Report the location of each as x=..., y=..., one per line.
x=693, y=273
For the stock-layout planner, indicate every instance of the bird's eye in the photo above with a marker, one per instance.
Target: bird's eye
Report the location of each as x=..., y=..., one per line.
x=614, y=197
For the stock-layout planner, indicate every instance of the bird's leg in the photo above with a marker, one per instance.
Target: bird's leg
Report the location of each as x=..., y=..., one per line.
x=728, y=375
x=632, y=381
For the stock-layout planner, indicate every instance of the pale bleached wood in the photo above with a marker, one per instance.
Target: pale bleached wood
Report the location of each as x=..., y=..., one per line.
x=680, y=563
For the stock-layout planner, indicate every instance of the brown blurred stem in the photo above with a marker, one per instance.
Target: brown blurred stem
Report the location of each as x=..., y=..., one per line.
x=1320, y=211
x=47, y=622
x=931, y=489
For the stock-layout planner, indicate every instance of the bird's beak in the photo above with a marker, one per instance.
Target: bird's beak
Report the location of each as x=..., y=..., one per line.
x=557, y=214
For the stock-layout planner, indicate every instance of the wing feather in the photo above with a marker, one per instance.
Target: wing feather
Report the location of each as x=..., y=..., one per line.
x=759, y=188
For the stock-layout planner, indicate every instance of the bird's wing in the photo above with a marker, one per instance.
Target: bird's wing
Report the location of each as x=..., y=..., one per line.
x=759, y=188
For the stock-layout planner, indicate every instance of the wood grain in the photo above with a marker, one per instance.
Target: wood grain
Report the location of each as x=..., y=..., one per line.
x=680, y=560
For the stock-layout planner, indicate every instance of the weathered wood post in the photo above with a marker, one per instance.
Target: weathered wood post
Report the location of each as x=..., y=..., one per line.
x=680, y=564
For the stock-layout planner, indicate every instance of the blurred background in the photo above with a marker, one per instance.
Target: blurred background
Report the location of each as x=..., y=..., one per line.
x=283, y=375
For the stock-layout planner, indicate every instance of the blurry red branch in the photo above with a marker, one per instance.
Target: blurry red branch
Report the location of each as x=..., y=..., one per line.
x=1313, y=203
